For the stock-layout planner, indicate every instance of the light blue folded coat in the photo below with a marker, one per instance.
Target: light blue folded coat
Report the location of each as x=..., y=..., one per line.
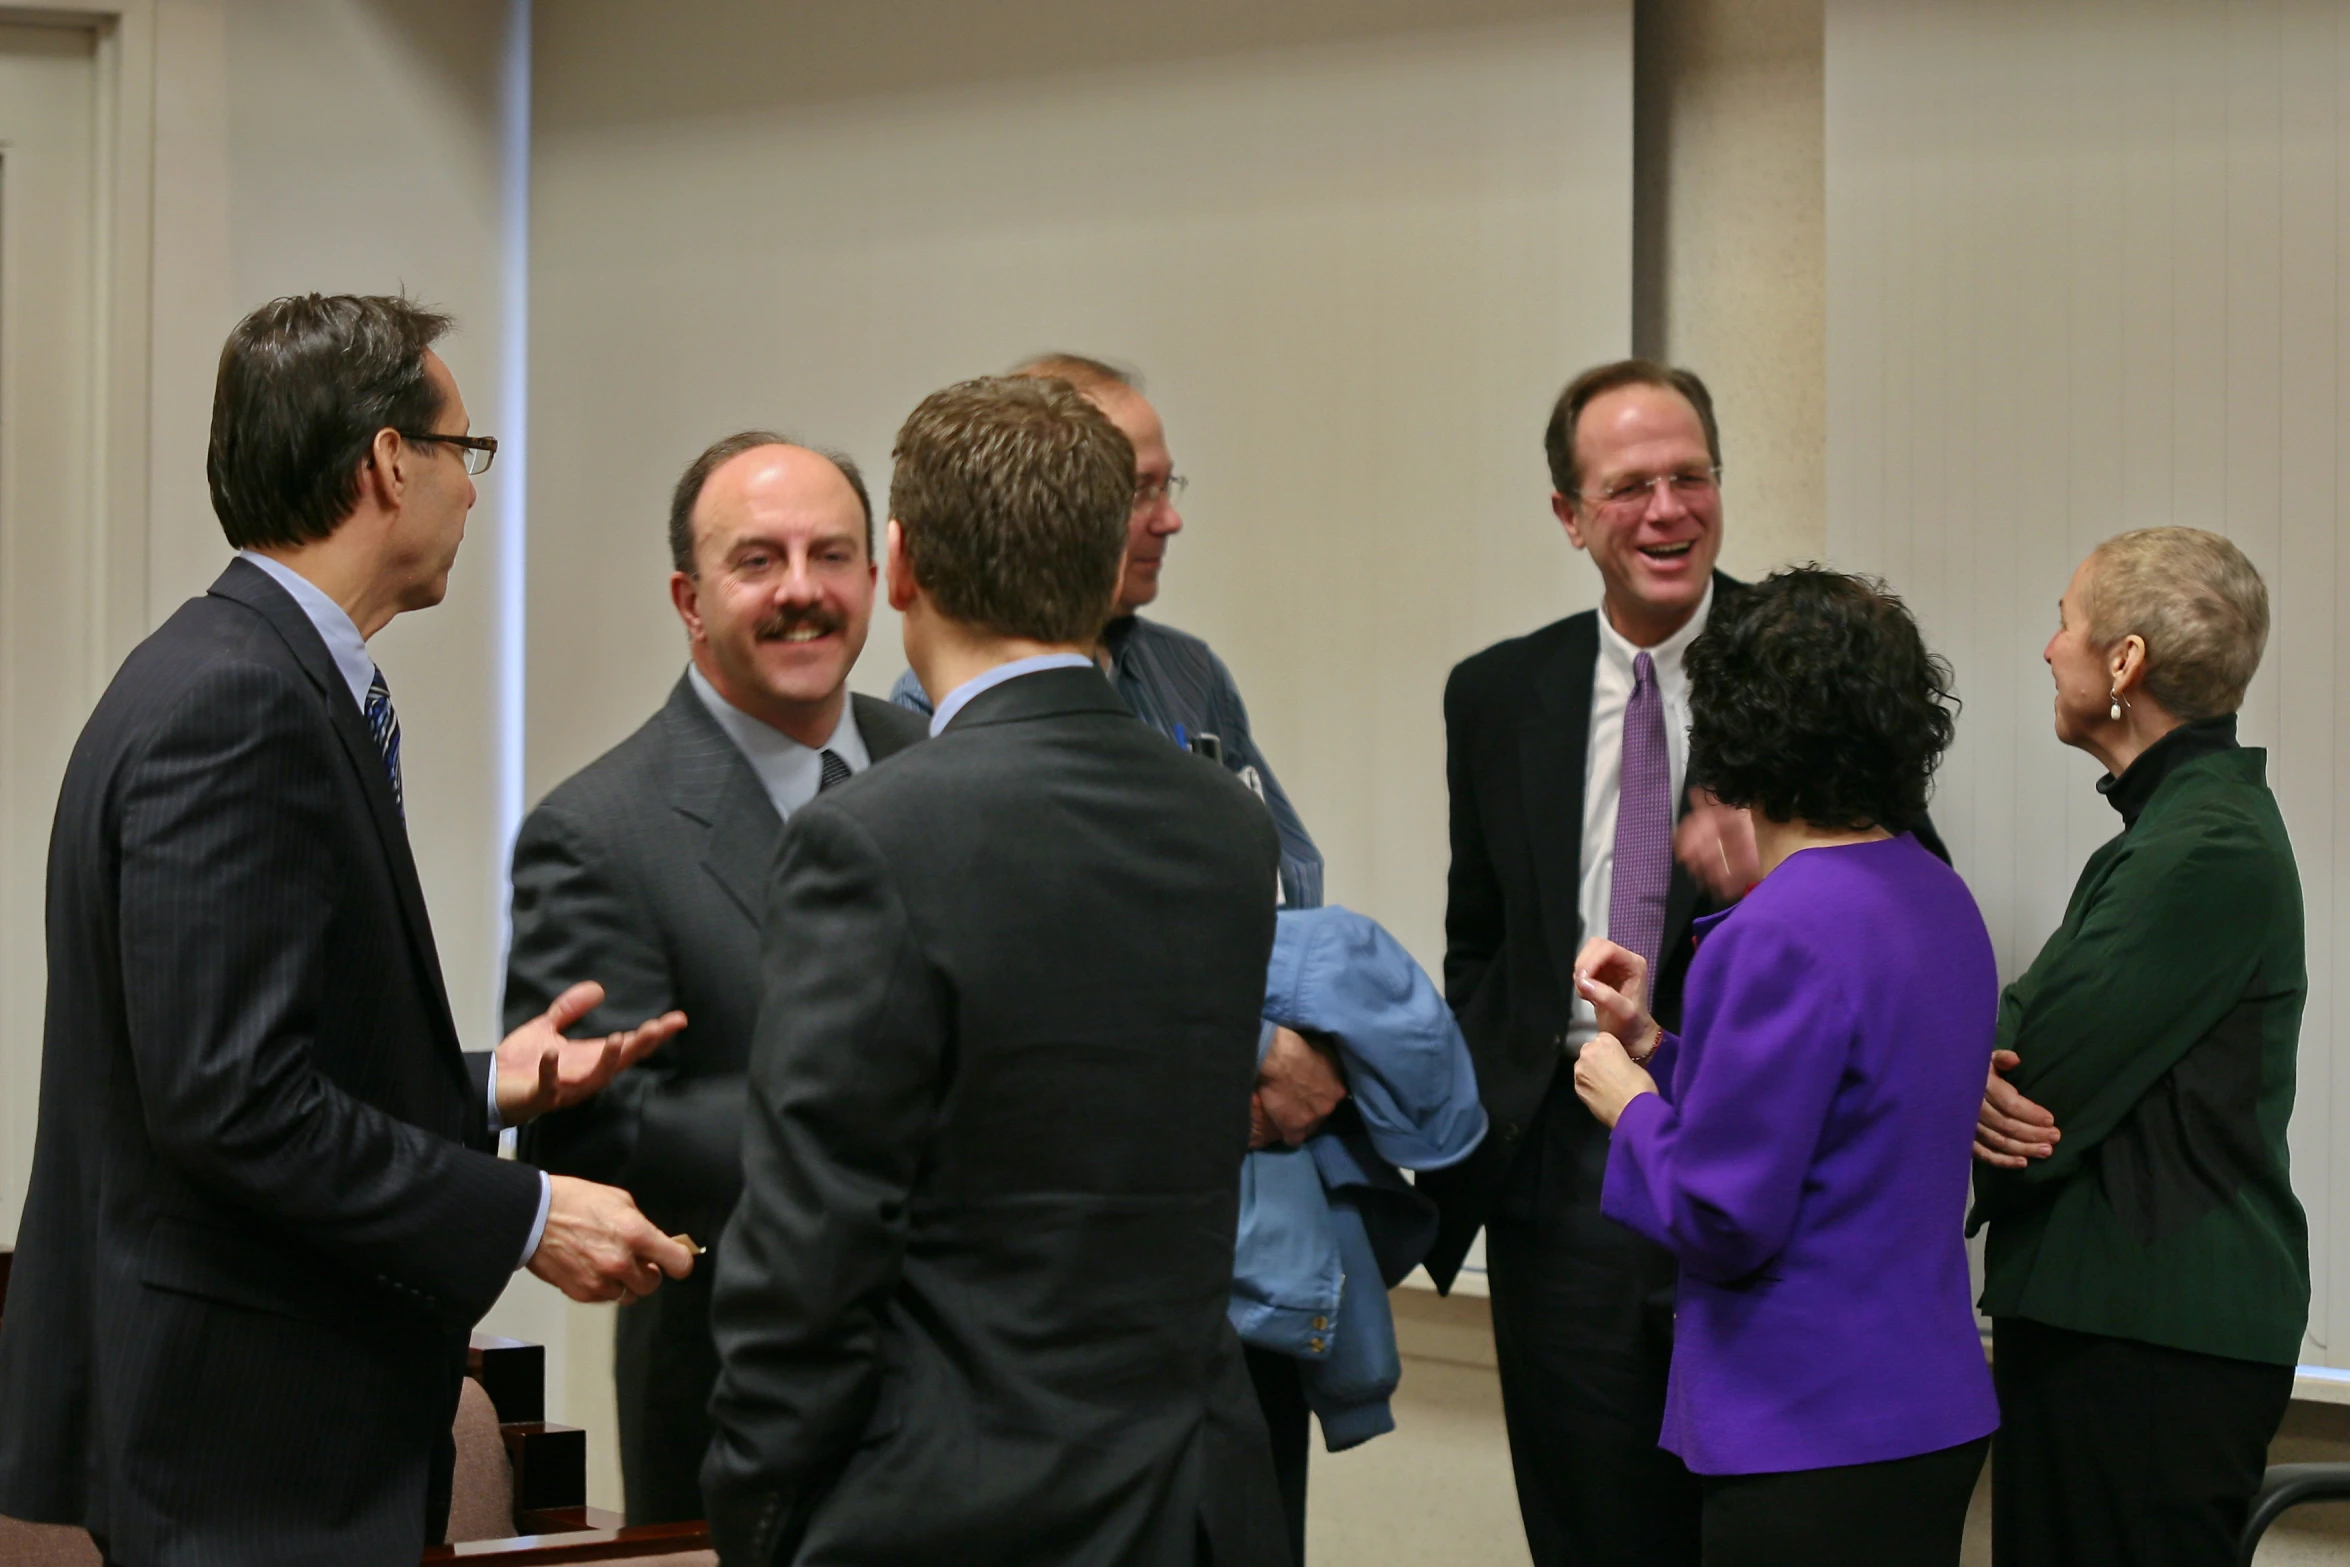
x=1327, y=1229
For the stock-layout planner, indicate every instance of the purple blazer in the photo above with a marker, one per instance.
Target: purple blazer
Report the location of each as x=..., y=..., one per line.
x=1807, y=1163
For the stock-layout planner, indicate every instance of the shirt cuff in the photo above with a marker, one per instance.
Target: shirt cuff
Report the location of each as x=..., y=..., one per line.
x=538, y=1226
x=497, y=1125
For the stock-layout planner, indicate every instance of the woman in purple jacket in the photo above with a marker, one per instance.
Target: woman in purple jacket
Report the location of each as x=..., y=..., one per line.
x=1802, y=1147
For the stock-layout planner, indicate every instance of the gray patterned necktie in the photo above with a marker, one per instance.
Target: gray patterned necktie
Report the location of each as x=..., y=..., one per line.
x=1644, y=824
x=384, y=723
x=835, y=771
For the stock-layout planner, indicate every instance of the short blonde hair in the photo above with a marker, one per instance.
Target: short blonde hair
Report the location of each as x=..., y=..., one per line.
x=2198, y=603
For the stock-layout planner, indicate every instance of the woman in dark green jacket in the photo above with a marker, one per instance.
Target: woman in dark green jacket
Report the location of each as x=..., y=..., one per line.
x=2147, y=1273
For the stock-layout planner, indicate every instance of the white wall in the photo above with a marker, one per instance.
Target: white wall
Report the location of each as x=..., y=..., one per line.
x=1355, y=245
x=2085, y=266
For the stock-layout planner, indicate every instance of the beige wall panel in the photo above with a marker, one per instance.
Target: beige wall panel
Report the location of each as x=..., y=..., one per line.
x=1355, y=249
x=1732, y=250
x=2084, y=276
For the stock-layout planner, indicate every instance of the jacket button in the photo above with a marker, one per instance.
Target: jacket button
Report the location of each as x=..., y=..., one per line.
x=1321, y=1322
x=1558, y=1041
x=1511, y=1131
x=1315, y=1345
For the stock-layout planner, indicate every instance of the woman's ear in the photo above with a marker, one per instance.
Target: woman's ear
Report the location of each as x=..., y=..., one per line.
x=2125, y=662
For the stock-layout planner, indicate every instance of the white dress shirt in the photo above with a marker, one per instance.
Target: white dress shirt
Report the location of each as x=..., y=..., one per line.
x=1603, y=768
x=348, y=649
x=790, y=772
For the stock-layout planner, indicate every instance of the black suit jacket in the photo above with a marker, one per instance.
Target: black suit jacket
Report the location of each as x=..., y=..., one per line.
x=647, y=871
x=972, y=1304
x=264, y=1210
x=1517, y=721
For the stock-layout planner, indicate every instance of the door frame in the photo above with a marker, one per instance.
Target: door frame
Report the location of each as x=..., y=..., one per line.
x=123, y=259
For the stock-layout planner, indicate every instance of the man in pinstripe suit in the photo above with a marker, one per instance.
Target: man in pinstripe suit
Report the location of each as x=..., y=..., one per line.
x=648, y=867
x=265, y=1207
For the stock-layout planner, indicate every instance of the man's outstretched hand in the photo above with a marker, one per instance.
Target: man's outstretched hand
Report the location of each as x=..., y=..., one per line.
x=540, y=1070
x=597, y=1246
x=2010, y=1130
x=1715, y=843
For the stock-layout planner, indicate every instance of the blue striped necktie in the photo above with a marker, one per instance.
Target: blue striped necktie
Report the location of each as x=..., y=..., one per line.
x=384, y=724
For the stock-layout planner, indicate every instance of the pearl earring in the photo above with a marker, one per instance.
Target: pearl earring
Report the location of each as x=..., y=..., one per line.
x=2115, y=712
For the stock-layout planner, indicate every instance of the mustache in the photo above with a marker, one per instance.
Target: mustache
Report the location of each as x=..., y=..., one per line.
x=783, y=622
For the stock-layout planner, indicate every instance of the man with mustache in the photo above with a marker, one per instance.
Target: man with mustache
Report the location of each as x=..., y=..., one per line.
x=648, y=869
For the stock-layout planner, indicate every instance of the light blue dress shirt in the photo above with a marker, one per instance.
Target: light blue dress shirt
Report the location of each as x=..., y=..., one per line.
x=348, y=649
x=790, y=772
x=961, y=696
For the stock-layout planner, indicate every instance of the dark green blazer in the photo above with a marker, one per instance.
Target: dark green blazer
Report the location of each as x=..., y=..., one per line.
x=2159, y=1024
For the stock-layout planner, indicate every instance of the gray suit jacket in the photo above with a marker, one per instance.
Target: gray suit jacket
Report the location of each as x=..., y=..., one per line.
x=646, y=871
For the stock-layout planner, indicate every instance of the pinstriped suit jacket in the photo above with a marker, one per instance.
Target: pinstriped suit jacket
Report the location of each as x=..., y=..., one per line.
x=263, y=1210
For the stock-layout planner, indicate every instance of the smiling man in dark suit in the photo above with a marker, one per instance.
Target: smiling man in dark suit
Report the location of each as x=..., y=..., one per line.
x=1565, y=752
x=265, y=1207
x=971, y=1307
x=648, y=868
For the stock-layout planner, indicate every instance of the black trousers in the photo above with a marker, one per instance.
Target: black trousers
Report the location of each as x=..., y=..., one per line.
x=2115, y=1451
x=664, y=1365
x=1903, y=1512
x=1583, y=1332
x=1281, y=1394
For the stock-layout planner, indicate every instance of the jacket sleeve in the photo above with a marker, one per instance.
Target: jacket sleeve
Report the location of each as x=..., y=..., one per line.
x=2165, y=945
x=1301, y=862
x=1715, y=1175
x=847, y=1070
x=230, y=882
x=1473, y=913
x=576, y=917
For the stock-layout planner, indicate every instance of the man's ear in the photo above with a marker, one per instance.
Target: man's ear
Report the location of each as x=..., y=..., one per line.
x=903, y=589
x=1564, y=510
x=381, y=477
x=686, y=594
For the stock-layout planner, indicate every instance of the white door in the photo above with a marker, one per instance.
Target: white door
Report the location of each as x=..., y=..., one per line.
x=49, y=528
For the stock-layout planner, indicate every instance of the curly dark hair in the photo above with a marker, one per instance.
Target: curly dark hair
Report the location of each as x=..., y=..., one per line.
x=1813, y=698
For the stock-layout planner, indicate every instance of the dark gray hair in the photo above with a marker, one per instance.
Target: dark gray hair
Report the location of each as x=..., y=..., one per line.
x=306, y=384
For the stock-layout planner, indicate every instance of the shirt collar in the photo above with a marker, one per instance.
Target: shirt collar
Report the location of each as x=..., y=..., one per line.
x=961, y=696
x=790, y=772
x=335, y=628
x=1666, y=655
x=2130, y=792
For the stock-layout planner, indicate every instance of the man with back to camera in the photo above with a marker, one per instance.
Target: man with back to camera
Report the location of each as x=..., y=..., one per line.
x=1566, y=751
x=1175, y=683
x=265, y=1208
x=958, y=1320
x=648, y=868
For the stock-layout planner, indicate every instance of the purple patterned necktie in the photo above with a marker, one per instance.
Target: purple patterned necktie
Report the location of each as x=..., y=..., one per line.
x=1644, y=823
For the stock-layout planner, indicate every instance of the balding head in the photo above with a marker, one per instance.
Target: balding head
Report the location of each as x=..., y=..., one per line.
x=1117, y=391
x=774, y=578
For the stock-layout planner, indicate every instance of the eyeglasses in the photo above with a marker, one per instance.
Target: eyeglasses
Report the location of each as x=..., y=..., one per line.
x=475, y=451
x=1152, y=494
x=1630, y=498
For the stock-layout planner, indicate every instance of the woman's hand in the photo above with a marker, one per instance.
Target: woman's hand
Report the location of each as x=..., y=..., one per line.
x=1606, y=1079
x=1615, y=981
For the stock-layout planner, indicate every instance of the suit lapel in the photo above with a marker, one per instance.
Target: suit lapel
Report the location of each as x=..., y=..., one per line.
x=1551, y=756
x=252, y=587
x=711, y=783
x=882, y=738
